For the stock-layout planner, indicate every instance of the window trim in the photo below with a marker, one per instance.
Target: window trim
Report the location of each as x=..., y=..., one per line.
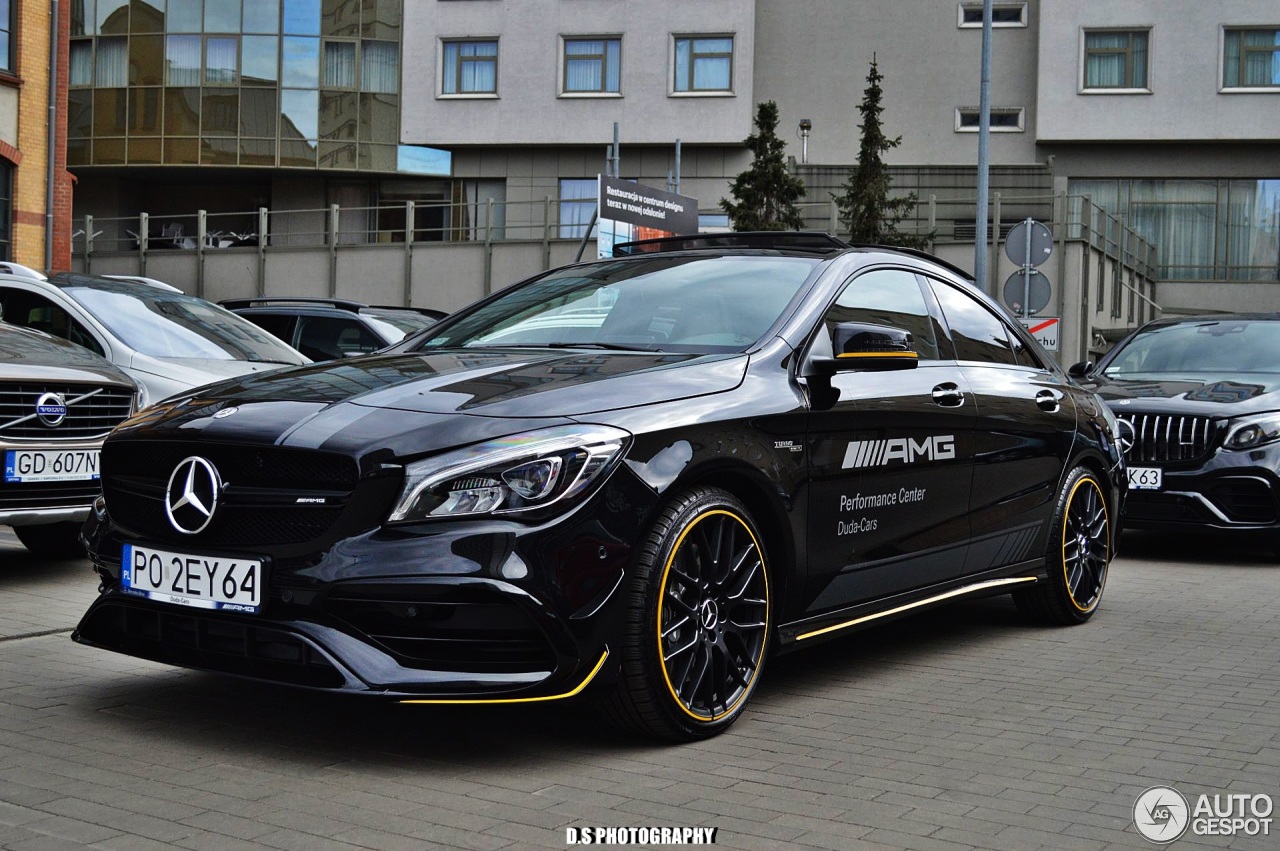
x=497, y=69
x=563, y=70
x=1223, y=88
x=961, y=23
x=1021, y=112
x=672, y=91
x=1082, y=86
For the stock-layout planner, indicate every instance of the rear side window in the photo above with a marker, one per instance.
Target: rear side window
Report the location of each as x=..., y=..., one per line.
x=978, y=334
x=887, y=297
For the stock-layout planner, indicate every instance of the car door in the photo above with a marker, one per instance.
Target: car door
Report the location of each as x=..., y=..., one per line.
x=1025, y=423
x=890, y=456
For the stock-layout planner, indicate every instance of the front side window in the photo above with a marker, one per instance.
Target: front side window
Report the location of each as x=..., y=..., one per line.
x=1115, y=59
x=977, y=333
x=1251, y=58
x=887, y=297
x=470, y=68
x=592, y=66
x=704, y=64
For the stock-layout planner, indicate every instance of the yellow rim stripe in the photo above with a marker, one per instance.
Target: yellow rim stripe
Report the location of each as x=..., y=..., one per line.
x=1066, y=582
x=981, y=586
x=472, y=700
x=662, y=590
x=912, y=355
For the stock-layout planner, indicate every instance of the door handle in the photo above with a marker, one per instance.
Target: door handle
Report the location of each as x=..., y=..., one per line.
x=1047, y=400
x=948, y=395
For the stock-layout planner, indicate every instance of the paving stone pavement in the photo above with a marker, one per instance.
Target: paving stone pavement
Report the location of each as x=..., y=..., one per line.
x=961, y=728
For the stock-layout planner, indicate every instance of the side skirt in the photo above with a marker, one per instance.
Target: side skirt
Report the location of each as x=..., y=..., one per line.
x=832, y=624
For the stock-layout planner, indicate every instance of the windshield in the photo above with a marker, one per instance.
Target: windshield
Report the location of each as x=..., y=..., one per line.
x=668, y=304
x=1228, y=346
x=173, y=325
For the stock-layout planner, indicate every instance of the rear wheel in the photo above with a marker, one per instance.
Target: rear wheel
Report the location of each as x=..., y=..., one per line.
x=697, y=622
x=56, y=540
x=1077, y=557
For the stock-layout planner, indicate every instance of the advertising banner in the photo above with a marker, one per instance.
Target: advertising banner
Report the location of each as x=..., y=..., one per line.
x=631, y=211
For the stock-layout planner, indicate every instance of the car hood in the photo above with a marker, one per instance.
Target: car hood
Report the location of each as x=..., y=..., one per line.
x=414, y=403
x=27, y=355
x=1225, y=395
x=195, y=372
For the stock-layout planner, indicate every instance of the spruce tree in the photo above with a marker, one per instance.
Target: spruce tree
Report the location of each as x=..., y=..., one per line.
x=866, y=209
x=766, y=193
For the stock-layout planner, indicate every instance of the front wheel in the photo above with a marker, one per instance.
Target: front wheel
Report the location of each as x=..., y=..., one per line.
x=697, y=621
x=1077, y=555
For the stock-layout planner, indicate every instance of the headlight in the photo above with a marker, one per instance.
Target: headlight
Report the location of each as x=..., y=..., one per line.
x=1248, y=432
x=524, y=472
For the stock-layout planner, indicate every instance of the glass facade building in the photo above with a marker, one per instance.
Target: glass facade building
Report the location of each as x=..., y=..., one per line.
x=311, y=84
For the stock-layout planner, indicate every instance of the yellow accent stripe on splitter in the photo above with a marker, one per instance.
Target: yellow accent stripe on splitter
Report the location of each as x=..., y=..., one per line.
x=473, y=700
x=981, y=586
x=879, y=355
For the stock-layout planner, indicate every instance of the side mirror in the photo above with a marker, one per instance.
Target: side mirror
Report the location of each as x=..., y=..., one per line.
x=1080, y=370
x=861, y=346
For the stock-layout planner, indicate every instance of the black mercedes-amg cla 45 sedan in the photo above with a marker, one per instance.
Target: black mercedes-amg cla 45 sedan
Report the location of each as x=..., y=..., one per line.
x=637, y=478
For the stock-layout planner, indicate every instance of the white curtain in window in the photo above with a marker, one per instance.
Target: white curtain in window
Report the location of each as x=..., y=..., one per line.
x=220, y=60
x=584, y=64
x=479, y=73
x=81, y=59
x=577, y=204
x=1180, y=218
x=1105, y=70
x=380, y=67
x=339, y=61
x=1253, y=230
x=181, y=59
x=1262, y=67
x=111, y=70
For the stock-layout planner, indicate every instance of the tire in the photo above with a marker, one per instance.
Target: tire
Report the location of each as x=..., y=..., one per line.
x=1077, y=555
x=697, y=620
x=56, y=540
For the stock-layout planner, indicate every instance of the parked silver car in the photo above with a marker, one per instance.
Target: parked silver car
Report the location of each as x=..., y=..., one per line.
x=165, y=340
x=57, y=403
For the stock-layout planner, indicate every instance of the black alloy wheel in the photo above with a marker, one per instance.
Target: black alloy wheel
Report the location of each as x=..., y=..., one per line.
x=1077, y=555
x=698, y=620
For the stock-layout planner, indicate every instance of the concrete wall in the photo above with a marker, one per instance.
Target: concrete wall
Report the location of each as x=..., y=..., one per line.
x=529, y=109
x=1185, y=100
x=813, y=58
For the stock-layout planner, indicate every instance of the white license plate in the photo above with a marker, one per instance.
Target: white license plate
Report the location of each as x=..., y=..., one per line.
x=204, y=582
x=51, y=465
x=1145, y=478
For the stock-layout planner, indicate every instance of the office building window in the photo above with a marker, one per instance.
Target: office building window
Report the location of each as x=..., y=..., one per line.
x=221, y=61
x=6, y=210
x=577, y=203
x=470, y=68
x=1115, y=59
x=592, y=66
x=111, y=64
x=379, y=67
x=1251, y=58
x=1203, y=230
x=6, y=35
x=704, y=64
x=81, y=62
x=1004, y=119
x=1002, y=15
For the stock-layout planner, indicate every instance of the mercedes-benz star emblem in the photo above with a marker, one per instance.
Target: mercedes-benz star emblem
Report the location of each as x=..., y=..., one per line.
x=1124, y=435
x=192, y=496
x=51, y=408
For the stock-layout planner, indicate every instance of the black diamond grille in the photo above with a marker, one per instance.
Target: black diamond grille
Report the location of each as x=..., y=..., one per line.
x=89, y=417
x=1166, y=438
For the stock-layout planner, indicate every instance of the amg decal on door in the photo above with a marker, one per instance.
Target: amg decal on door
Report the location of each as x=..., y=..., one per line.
x=906, y=450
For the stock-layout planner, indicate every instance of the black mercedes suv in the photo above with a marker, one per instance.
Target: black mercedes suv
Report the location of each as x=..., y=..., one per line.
x=637, y=478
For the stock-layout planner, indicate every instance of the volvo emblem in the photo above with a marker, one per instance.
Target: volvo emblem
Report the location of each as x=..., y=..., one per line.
x=51, y=408
x=192, y=495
